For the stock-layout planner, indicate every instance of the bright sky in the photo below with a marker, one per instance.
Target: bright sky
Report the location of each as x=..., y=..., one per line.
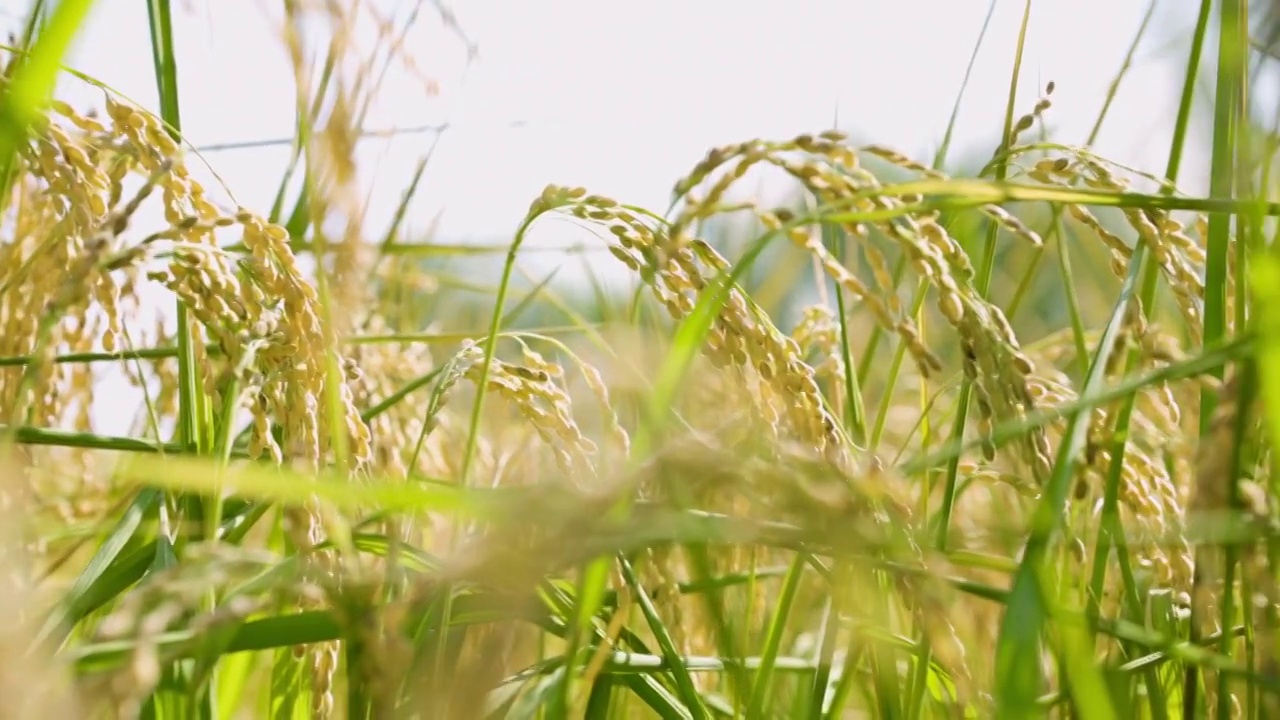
x=623, y=98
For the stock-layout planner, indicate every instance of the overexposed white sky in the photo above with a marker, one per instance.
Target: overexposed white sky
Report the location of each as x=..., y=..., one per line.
x=623, y=97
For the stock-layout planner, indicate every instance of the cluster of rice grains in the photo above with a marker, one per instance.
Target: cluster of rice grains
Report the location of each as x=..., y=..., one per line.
x=64, y=208
x=1009, y=382
x=835, y=176
x=71, y=283
x=72, y=277
x=1157, y=472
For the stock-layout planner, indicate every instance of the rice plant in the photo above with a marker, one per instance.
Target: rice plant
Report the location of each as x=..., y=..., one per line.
x=879, y=486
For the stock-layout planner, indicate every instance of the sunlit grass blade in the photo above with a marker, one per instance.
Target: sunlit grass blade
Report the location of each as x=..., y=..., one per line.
x=104, y=568
x=27, y=92
x=764, y=678
x=684, y=683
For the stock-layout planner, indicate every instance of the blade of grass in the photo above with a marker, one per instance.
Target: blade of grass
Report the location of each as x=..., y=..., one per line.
x=688, y=693
x=763, y=685
x=1229, y=93
x=75, y=604
x=28, y=90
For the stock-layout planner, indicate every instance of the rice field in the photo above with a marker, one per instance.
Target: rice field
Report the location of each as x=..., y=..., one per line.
x=873, y=485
